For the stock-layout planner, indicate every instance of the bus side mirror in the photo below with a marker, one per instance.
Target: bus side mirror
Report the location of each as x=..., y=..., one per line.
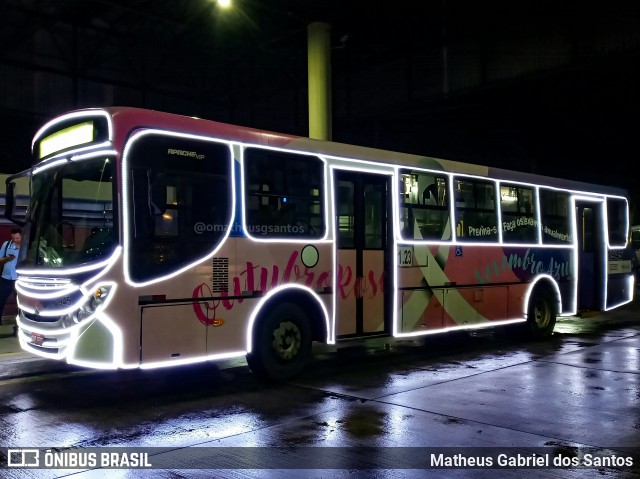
x=157, y=189
x=10, y=198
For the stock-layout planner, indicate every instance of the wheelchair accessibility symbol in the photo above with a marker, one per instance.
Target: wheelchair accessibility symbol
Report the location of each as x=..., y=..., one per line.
x=458, y=250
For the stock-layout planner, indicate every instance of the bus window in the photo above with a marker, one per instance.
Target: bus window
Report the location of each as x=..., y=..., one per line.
x=617, y=221
x=345, y=213
x=374, y=216
x=476, y=215
x=424, y=210
x=518, y=210
x=74, y=219
x=554, y=209
x=284, y=194
x=181, y=202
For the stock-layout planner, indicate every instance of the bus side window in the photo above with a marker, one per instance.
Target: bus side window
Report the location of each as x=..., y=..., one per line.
x=554, y=209
x=476, y=215
x=190, y=211
x=519, y=221
x=424, y=213
x=290, y=196
x=618, y=221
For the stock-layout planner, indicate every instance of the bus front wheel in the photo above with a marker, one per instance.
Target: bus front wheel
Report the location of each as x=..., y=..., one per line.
x=281, y=343
x=541, y=316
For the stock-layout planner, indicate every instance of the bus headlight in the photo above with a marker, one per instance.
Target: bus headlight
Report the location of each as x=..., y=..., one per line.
x=98, y=297
x=92, y=302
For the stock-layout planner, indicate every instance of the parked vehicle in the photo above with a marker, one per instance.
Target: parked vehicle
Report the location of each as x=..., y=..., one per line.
x=635, y=244
x=155, y=240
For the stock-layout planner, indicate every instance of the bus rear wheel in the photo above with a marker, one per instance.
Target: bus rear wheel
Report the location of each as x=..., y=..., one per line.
x=281, y=343
x=541, y=314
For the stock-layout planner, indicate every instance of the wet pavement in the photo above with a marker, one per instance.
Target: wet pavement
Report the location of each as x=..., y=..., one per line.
x=370, y=406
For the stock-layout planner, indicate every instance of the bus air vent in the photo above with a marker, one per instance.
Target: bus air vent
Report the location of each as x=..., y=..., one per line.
x=220, y=275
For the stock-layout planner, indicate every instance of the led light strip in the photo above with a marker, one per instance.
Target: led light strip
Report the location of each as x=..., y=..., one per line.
x=603, y=250
x=271, y=294
x=626, y=218
x=67, y=348
x=483, y=325
x=108, y=263
x=27, y=346
x=243, y=196
x=249, y=332
x=455, y=241
x=631, y=286
x=92, y=154
x=182, y=362
x=330, y=163
x=47, y=165
x=43, y=287
x=73, y=158
x=65, y=330
x=377, y=171
x=57, y=281
x=530, y=290
x=54, y=294
x=84, y=289
x=117, y=351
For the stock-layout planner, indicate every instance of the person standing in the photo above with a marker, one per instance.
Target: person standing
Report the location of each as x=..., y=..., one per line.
x=8, y=259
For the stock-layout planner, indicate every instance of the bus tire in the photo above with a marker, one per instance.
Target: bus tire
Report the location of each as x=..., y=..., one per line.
x=281, y=343
x=541, y=313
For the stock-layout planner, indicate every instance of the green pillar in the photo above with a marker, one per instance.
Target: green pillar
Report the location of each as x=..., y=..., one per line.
x=319, y=65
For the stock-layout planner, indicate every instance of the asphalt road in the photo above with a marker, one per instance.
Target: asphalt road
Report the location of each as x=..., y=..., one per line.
x=375, y=409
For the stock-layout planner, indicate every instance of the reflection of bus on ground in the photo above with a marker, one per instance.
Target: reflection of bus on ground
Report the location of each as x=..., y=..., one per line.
x=205, y=241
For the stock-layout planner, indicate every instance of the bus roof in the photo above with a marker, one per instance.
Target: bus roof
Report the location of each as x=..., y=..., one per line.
x=129, y=118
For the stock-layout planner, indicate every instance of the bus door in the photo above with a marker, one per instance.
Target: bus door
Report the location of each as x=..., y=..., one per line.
x=590, y=254
x=363, y=237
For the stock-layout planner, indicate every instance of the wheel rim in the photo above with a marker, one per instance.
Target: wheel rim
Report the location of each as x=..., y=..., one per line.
x=287, y=340
x=541, y=314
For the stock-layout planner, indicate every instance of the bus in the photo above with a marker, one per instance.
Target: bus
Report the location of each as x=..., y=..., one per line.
x=153, y=239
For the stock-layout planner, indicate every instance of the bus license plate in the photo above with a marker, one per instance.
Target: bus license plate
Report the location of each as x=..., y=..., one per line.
x=37, y=339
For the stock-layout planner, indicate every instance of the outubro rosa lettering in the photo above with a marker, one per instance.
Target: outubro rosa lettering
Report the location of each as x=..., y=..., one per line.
x=263, y=278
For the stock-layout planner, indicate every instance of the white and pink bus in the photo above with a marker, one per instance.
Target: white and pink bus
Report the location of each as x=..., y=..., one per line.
x=153, y=239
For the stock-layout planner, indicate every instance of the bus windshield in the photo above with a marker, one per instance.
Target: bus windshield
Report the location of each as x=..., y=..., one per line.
x=72, y=214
